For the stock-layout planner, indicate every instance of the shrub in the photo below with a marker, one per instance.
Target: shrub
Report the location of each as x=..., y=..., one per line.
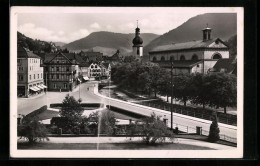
x=214, y=130
x=33, y=131
x=153, y=129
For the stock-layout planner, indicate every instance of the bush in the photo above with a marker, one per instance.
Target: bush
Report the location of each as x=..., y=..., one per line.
x=33, y=131
x=214, y=131
x=153, y=129
x=53, y=105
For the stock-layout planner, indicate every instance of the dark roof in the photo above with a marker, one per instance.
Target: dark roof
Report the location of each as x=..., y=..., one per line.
x=179, y=64
x=187, y=45
x=228, y=64
x=70, y=56
x=106, y=65
x=26, y=53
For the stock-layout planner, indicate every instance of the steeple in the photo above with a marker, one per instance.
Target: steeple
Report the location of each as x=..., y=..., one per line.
x=137, y=42
x=206, y=33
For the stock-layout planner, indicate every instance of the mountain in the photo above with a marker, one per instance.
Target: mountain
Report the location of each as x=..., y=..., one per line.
x=109, y=40
x=60, y=44
x=232, y=43
x=33, y=44
x=224, y=25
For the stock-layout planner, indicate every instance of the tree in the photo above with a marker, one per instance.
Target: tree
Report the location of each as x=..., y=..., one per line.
x=165, y=86
x=214, y=130
x=108, y=122
x=153, y=129
x=33, y=131
x=199, y=89
x=72, y=110
x=182, y=88
x=222, y=90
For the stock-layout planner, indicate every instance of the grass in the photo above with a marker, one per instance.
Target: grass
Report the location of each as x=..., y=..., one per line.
x=109, y=146
x=47, y=114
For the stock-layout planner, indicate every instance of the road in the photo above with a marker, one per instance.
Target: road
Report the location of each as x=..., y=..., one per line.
x=87, y=94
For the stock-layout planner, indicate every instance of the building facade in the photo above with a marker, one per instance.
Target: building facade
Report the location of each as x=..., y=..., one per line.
x=29, y=73
x=62, y=71
x=189, y=57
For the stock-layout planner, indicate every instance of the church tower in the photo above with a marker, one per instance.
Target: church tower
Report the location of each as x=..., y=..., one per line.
x=137, y=43
x=206, y=33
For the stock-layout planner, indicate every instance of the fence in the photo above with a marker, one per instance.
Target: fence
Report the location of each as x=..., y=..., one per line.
x=194, y=112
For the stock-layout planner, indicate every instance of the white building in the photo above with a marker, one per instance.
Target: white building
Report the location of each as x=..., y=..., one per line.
x=193, y=56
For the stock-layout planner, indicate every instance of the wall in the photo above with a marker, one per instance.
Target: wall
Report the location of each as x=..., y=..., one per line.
x=208, y=54
x=188, y=55
x=140, y=51
x=197, y=68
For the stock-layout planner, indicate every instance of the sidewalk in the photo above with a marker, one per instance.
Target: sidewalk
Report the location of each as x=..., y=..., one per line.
x=95, y=140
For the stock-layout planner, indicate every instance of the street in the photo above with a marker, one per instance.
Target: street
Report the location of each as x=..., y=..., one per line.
x=87, y=94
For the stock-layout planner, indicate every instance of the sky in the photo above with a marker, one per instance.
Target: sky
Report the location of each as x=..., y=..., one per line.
x=70, y=24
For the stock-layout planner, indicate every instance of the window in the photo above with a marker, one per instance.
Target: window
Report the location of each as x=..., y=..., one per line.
x=95, y=66
x=58, y=76
x=68, y=69
x=138, y=51
x=30, y=77
x=54, y=85
x=182, y=58
x=162, y=58
x=58, y=62
x=194, y=57
x=52, y=76
x=198, y=65
x=20, y=78
x=92, y=66
x=57, y=69
x=65, y=86
x=216, y=56
x=154, y=59
x=171, y=58
x=18, y=60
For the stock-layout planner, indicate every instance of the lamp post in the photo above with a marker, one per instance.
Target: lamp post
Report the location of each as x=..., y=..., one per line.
x=171, y=92
x=109, y=90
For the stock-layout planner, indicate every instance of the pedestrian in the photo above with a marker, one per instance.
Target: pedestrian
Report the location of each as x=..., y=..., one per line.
x=60, y=90
x=88, y=88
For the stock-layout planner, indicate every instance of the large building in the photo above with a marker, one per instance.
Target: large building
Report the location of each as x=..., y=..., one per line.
x=190, y=57
x=62, y=71
x=29, y=74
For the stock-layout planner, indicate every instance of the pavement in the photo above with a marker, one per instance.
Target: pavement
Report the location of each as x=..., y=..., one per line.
x=26, y=106
x=97, y=140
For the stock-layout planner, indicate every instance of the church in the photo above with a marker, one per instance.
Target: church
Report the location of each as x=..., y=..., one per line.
x=191, y=57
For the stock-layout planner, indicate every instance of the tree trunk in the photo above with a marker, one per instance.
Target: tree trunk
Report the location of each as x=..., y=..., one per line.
x=155, y=94
x=225, y=110
x=203, y=106
x=167, y=98
x=184, y=103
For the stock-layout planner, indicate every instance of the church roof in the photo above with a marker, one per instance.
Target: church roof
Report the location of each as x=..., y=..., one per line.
x=179, y=64
x=187, y=45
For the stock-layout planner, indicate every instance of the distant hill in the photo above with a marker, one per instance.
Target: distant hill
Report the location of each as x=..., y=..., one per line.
x=224, y=25
x=232, y=43
x=60, y=44
x=33, y=44
x=111, y=40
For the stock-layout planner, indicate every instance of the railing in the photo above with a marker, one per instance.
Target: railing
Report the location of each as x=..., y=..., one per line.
x=231, y=120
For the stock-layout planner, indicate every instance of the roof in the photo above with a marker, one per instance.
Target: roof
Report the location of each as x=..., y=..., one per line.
x=70, y=56
x=228, y=64
x=179, y=64
x=26, y=53
x=106, y=65
x=187, y=45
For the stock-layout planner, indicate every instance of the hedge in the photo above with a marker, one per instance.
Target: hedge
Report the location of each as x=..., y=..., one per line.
x=82, y=104
x=126, y=112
